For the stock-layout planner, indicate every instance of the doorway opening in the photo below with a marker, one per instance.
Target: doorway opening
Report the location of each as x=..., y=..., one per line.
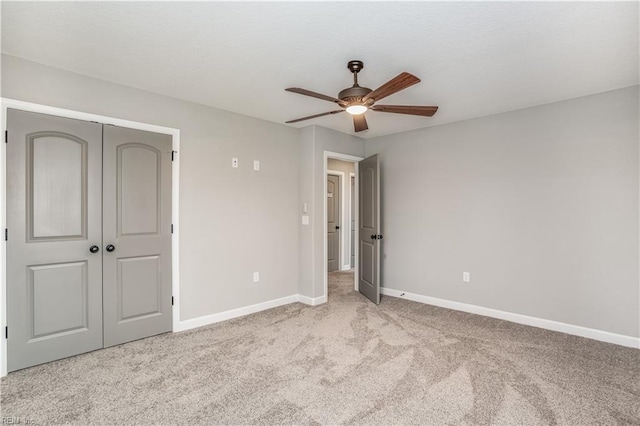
x=340, y=220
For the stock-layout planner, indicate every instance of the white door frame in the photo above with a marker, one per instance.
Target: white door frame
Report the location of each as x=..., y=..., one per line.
x=341, y=241
x=175, y=200
x=343, y=157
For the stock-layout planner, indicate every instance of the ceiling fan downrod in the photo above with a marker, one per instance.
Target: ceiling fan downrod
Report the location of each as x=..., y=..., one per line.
x=355, y=67
x=353, y=95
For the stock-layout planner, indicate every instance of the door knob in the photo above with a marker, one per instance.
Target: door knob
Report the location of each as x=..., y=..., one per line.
x=373, y=237
x=94, y=249
x=110, y=248
x=337, y=227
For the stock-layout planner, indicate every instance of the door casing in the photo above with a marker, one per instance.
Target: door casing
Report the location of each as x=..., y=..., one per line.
x=344, y=157
x=7, y=103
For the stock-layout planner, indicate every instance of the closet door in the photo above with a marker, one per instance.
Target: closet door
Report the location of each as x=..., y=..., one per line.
x=54, y=209
x=136, y=234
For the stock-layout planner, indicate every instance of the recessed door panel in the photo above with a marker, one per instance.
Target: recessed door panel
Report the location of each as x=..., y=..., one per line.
x=369, y=233
x=139, y=180
x=367, y=264
x=368, y=196
x=331, y=243
x=331, y=190
x=54, y=197
x=139, y=287
x=58, y=299
x=137, y=227
x=57, y=186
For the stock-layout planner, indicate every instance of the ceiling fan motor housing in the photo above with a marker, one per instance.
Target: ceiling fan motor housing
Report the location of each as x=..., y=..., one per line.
x=354, y=95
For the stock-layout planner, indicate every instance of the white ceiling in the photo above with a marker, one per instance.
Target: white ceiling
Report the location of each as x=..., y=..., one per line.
x=474, y=59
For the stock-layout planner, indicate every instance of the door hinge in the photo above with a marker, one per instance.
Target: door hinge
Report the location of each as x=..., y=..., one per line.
x=171, y=300
x=6, y=136
x=172, y=155
x=6, y=332
x=172, y=228
x=6, y=234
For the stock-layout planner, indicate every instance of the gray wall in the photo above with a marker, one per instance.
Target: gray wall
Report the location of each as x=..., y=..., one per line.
x=314, y=141
x=539, y=205
x=232, y=221
x=346, y=167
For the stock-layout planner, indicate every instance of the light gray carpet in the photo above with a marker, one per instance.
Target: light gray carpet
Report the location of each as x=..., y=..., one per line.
x=345, y=362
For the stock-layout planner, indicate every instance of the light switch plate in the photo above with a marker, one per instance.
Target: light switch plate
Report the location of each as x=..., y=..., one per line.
x=305, y=219
x=256, y=165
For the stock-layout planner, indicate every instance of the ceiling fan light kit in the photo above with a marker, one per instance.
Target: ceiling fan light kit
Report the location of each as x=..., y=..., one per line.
x=357, y=100
x=356, y=109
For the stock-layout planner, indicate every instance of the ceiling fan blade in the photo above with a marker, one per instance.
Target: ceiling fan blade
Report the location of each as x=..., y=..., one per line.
x=396, y=84
x=314, y=116
x=426, y=111
x=360, y=122
x=313, y=94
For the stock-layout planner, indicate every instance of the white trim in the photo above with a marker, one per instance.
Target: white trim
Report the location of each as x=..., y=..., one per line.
x=235, y=313
x=576, y=330
x=67, y=113
x=355, y=160
x=3, y=245
x=341, y=233
x=313, y=301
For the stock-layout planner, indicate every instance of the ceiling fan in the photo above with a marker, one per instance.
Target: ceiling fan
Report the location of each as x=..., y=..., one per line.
x=356, y=100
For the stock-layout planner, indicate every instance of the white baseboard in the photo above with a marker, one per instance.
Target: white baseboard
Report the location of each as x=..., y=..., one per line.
x=590, y=333
x=313, y=301
x=246, y=310
x=234, y=313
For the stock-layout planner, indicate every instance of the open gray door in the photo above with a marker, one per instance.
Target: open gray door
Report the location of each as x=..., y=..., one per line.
x=136, y=234
x=54, y=223
x=369, y=237
x=352, y=239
